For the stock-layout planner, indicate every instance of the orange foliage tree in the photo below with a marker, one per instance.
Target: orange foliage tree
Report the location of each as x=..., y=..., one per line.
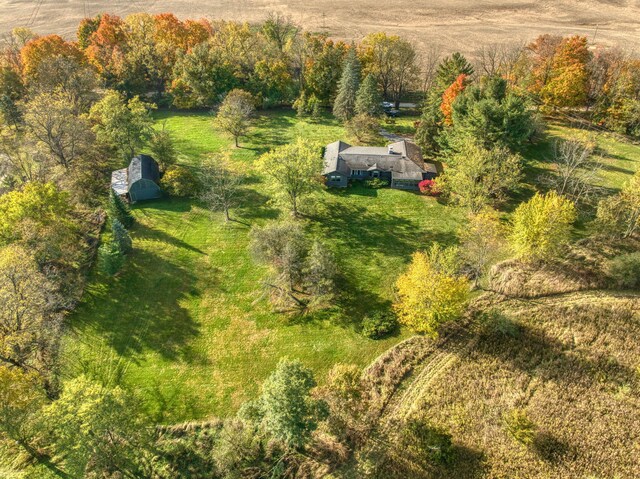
x=107, y=46
x=449, y=96
x=43, y=48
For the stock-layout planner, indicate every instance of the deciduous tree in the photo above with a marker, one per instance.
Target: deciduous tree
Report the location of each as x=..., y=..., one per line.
x=427, y=297
x=235, y=114
x=292, y=171
x=221, y=186
x=542, y=227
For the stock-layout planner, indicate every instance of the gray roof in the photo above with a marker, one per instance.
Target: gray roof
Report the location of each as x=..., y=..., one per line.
x=143, y=167
x=119, y=181
x=402, y=158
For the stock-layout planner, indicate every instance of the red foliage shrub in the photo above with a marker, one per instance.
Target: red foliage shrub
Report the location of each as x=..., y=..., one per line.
x=428, y=187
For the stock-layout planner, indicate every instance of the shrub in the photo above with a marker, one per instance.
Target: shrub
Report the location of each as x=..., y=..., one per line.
x=379, y=325
x=121, y=236
x=180, y=181
x=428, y=187
x=110, y=258
x=625, y=270
x=376, y=183
x=119, y=210
x=521, y=428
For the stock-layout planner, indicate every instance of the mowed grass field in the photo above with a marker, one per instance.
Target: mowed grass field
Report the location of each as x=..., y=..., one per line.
x=186, y=322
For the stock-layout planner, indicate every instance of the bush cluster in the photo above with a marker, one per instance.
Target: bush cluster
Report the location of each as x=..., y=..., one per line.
x=379, y=324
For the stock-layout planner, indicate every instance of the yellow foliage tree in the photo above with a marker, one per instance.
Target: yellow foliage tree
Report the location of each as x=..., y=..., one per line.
x=542, y=226
x=429, y=297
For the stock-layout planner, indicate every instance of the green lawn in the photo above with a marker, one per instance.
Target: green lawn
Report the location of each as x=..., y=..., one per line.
x=185, y=321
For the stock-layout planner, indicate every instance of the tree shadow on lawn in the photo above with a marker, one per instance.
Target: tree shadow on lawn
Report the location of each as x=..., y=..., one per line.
x=139, y=309
x=365, y=230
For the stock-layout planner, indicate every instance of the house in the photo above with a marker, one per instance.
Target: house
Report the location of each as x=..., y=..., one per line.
x=399, y=163
x=139, y=181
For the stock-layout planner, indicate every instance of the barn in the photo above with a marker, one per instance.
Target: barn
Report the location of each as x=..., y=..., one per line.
x=139, y=181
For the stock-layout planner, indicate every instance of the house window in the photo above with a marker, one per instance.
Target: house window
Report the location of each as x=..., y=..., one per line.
x=357, y=172
x=335, y=178
x=375, y=174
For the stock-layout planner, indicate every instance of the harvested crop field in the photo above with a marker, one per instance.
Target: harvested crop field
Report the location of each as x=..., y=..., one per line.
x=444, y=24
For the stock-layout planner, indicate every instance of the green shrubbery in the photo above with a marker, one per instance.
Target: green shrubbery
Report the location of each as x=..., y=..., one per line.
x=376, y=183
x=379, y=325
x=180, y=181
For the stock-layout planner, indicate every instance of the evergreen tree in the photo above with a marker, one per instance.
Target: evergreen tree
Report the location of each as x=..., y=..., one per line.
x=344, y=107
x=451, y=68
x=110, y=258
x=121, y=236
x=369, y=99
x=119, y=210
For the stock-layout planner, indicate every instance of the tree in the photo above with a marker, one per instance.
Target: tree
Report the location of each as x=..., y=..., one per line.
x=567, y=85
x=201, y=76
x=451, y=68
x=289, y=413
x=428, y=297
x=489, y=113
x=365, y=128
x=110, y=258
x=477, y=176
x=40, y=217
x=292, y=171
x=221, y=186
x=52, y=120
x=283, y=246
x=448, y=97
x=368, y=99
x=393, y=62
x=320, y=272
x=344, y=106
x=119, y=210
x=235, y=114
x=575, y=172
x=28, y=327
x=124, y=125
x=98, y=429
x=121, y=236
x=483, y=242
x=163, y=147
x=279, y=30
x=542, y=227
x=21, y=401
x=41, y=49
x=619, y=215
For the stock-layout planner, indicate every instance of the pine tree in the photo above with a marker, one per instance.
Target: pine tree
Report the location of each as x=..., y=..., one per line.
x=119, y=210
x=121, y=236
x=110, y=259
x=344, y=107
x=369, y=99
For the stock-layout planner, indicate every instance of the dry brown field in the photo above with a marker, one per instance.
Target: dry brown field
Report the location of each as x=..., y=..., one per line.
x=447, y=25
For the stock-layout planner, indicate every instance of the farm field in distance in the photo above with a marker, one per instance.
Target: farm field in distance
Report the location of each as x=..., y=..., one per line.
x=444, y=24
x=185, y=322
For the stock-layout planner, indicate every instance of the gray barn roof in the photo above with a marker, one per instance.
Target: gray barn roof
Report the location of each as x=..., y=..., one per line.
x=143, y=167
x=403, y=159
